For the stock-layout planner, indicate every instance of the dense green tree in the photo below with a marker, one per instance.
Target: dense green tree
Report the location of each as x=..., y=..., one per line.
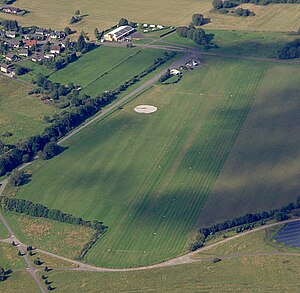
x=81, y=44
x=217, y=4
x=198, y=19
x=17, y=178
x=123, y=21
x=50, y=150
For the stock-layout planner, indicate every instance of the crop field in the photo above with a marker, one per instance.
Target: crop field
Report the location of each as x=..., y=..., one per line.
x=53, y=236
x=104, y=14
x=242, y=43
x=148, y=177
x=262, y=170
x=16, y=111
x=106, y=68
x=289, y=234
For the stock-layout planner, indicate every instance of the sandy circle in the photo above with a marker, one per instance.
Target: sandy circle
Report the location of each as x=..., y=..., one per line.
x=145, y=109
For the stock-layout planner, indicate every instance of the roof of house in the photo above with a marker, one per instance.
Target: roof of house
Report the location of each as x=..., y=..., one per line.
x=5, y=65
x=54, y=47
x=121, y=31
x=10, y=33
x=23, y=51
x=10, y=55
x=30, y=43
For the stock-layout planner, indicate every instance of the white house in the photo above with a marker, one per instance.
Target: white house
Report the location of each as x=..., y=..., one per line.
x=5, y=68
x=175, y=71
x=10, y=34
x=55, y=49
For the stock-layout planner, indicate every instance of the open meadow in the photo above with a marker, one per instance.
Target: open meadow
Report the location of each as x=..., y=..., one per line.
x=148, y=177
x=20, y=114
x=106, y=68
x=242, y=270
x=103, y=14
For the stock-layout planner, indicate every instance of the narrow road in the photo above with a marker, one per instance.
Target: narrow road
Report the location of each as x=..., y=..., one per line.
x=184, y=259
x=22, y=249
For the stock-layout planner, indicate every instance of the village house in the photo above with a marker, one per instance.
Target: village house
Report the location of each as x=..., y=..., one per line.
x=55, y=49
x=14, y=43
x=49, y=55
x=40, y=31
x=37, y=58
x=10, y=57
x=5, y=68
x=30, y=43
x=10, y=34
x=23, y=52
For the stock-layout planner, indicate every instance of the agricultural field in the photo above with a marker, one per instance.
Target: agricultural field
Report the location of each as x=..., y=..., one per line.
x=262, y=170
x=60, y=238
x=242, y=43
x=16, y=111
x=9, y=258
x=104, y=14
x=148, y=177
x=106, y=68
x=289, y=234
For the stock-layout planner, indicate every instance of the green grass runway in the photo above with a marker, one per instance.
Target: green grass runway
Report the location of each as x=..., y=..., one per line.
x=148, y=176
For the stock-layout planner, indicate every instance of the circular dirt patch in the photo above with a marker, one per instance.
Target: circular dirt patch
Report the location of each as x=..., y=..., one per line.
x=145, y=109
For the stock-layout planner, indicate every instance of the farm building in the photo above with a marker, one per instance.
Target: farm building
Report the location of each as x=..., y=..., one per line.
x=119, y=33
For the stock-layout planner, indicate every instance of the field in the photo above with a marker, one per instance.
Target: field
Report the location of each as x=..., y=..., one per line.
x=16, y=111
x=260, y=273
x=107, y=13
x=3, y=232
x=289, y=234
x=262, y=169
x=149, y=186
x=61, y=238
x=242, y=43
x=106, y=68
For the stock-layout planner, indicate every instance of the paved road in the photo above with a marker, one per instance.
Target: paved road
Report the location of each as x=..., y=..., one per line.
x=184, y=259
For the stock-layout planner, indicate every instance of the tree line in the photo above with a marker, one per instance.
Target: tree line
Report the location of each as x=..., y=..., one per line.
x=290, y=50
x=81, y=108
x=244, y=222
x=225, y=7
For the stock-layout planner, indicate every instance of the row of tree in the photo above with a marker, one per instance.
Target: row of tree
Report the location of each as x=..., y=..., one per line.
x=219, y=4
x=243, y=223
x=37, y=210
x=290, y=50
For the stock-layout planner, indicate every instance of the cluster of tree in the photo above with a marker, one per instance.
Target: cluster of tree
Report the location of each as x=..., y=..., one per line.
x=244, y=222
x=165, y=76
x=197, y=19
x=290, y=50
x=224, y=7
x=98, y=34
x=10, y=25
x=76, y=18
x=8, y=2
x=37, y=210
x=124, y=21
x=17, y=178
x=198, y=35
x=20, y=70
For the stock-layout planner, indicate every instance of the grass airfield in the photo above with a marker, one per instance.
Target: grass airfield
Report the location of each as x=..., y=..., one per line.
x=148, y=176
